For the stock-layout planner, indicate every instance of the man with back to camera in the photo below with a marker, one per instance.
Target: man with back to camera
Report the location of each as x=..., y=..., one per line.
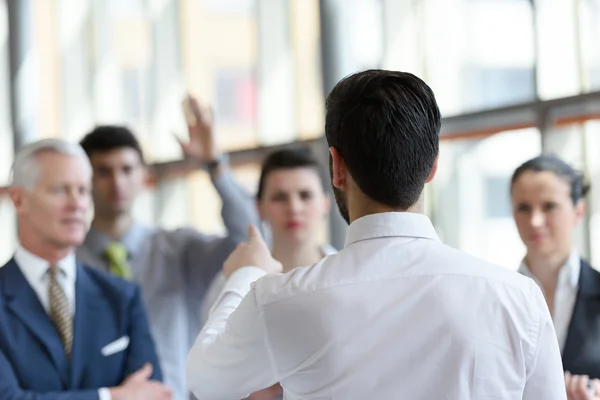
x=395, y=314
x=66, y=331
x=173, y=267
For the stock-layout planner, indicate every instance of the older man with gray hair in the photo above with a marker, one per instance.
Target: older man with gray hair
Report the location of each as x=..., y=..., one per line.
x=67, y=332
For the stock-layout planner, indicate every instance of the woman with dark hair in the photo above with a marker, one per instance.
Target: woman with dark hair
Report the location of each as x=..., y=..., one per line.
x=548, y=203
x=292, y=203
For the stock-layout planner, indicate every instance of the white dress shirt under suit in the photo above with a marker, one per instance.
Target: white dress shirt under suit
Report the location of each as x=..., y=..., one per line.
x=565, y=295
x=35, y=270
x=395, y=314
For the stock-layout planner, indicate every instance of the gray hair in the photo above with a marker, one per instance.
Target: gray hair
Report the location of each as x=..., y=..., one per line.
x=25, y=169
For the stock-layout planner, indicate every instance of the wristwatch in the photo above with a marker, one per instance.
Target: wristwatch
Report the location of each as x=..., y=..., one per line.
x=211, y=166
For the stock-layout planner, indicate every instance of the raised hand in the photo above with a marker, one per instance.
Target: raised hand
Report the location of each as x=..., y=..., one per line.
x=253, y=253
x=202, y=144
x=138, y=386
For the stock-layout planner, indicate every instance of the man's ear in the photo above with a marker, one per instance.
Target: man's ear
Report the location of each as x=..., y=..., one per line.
x=433, y=170
x=17, y=195
x=338, y=169
x=580, y=209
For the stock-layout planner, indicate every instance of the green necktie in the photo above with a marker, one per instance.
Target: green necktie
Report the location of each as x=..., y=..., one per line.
x=117, y=261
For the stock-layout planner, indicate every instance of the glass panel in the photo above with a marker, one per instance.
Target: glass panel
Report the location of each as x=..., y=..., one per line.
x=171, y=202
x=247, y=175
x=577, y=144
x=6, y=132
x=310, y=104
x=76, y=63
x=205, y=203
x=567, y=143
x=134, y=76
x=469, y=198
x=122, y=43
x=591, y=132
x=235, y=96
x=290, y=93
x=219, y=50
x=404, y=34
x=589, y=25
x=230, y=6
x=7, y=213
x=275, y=74
x=166, y=81
x=8, y=230
x=146, y=210
x=473, y=61
x=558, y=53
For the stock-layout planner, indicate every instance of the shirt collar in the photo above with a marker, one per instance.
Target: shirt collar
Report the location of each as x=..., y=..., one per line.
x=328, y=250
x=569, y=273
x=132, y=240
x=35, y=268
x=404, y=224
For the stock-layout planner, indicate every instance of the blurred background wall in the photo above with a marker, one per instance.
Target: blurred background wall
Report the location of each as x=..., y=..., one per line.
x=513, y=78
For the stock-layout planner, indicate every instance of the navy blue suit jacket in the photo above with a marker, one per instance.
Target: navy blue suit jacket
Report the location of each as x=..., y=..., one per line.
x=33, y=364
x=581, y=354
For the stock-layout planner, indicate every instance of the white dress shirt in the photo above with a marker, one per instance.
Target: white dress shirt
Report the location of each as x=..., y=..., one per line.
x=395, y=314
x=35, y=270
x=565, y=295
x=217, y=285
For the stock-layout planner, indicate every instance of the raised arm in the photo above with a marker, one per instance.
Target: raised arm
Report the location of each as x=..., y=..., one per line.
x=239, y=208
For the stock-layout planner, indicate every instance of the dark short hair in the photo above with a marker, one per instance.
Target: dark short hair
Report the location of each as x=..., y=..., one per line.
x=288, y=159
x=386, y=126
x=551, y=163
x=106, y=138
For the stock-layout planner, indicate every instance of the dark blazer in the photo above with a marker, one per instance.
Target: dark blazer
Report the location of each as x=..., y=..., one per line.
x=581, y=353
x=33, y=364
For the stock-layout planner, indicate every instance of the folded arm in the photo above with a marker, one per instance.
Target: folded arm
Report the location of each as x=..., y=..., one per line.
x=10, y=389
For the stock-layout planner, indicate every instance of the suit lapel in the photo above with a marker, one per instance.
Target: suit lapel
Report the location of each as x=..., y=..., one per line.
x=87, y=297
x=25, y=305
x=589, y=281
x=588, y=300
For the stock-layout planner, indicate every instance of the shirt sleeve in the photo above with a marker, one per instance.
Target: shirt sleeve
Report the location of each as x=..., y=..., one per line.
x=104, y=394
x=211, y=296
x=239, y=208
x=231, y=357
x=545, y=377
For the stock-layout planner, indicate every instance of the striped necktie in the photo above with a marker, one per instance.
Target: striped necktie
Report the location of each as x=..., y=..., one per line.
x=60, y=311
x=117, y=261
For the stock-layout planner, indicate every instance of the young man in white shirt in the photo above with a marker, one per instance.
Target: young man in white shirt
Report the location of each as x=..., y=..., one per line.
x=395, y=314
